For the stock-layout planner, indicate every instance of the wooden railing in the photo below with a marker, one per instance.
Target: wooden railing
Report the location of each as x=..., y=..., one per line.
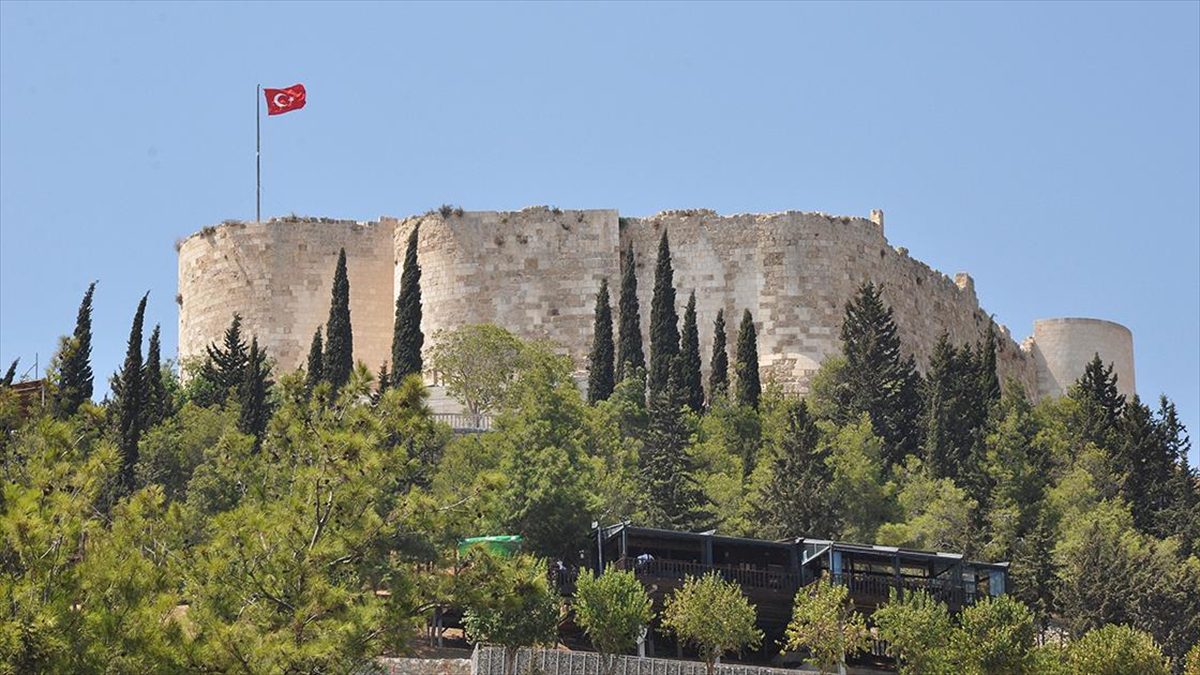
x=876, y=587
x=680, y=569
x=465, y=422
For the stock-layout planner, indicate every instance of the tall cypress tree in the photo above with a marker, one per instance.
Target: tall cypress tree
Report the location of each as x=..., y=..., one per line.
x=407, y=338
x=664, y=321
x=225, y=364
x=748, y=386
x=252, y=395
x=674, y=499
x=689, y=352
x=795, y=501
x=878, y=379
x=600, y=361
x=315, y=369
x=75, y=374
x=128, y=399
x=158, y=404
x=985, y=362
x=718, y=372
x=952, y=407
x=630, y=356
x=339, y=342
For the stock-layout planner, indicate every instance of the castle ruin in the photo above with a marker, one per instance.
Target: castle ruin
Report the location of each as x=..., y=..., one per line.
x=536, y=272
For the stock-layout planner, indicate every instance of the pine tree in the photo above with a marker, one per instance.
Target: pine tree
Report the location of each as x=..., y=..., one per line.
x=254, y=409
x=674, y=499
x=689, y=351
x=407, y=338
x=1035, y=572
x=985, y=361
x=128, y=399
x=75, y=374
x=630, y=357
x=664, y=321
x=339, y=342
x=877, y=378
x=9, y=374
x=158, y=403
x=795, y=502
x=1147, y=460
x=1096, y=391
x=226, y=364
x=954, y=412
x=600, y=361
x=384, y=378
x=315, y=369
x=718, y=372
x=1181, y=516
x=748, y=386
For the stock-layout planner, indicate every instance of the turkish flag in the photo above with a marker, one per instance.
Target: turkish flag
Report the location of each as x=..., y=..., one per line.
x=280, y=101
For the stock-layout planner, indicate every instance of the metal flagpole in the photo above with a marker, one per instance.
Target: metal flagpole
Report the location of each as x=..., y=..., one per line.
x=258, y=154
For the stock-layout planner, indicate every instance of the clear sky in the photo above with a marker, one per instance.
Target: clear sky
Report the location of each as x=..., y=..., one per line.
x=1051, y=150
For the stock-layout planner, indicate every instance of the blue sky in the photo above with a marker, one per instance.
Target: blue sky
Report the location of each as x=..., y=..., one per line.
x=1052, y=150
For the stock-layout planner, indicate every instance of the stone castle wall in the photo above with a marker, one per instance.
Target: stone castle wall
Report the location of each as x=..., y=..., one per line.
x=536, y=272
x=1060, y=348
x=278, y=276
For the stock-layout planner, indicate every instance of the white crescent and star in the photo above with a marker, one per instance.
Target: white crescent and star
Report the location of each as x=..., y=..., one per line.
x=282, y=100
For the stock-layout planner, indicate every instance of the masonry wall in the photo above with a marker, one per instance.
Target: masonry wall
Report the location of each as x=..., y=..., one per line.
x=1062, y=348
x=278, y=276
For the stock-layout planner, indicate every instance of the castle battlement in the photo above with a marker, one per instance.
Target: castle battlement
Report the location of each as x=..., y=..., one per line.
x=536, y=272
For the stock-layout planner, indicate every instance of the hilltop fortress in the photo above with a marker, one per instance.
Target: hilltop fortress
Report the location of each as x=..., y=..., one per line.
x=536, y=272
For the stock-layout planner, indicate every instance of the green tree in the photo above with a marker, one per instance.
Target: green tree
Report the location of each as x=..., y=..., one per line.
x=630, y=356
x=315, y=369
x=478, y=363
x=1035, y=572
x=664, y=321
x=407, y=338
x=600, y=360
x=225, y=365
x=338, y=360
x=1192, y=664
x=1147, y=458
x=689, y=351
x=749, y=388
x=951, y=404
x=1096, y=390
x=916, y=628
x=718, y=371
x=128, y=388
x=1117, y=650
x=985, y=362
x=935, y=513
x=793, y=498
x=673, y=497
x=253, y=395
x=877, y=379
x=825, y=624
x=75, y=373
x=510, y=603
x=613, y=609
x=714, y=615
x=158, y=401
x=863, y=497
x=996, y=637
x=383, y=378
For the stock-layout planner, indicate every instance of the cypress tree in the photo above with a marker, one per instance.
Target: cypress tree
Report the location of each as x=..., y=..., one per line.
x=9, y=374
x=252, y=395
x=630, y=356
x=878, y=379
x=407, y=338
x=952, y=416
x=985, y=361
x=749, y=387
x=158, y=404
x=339, y=342
x=718, y=373
x=600, y=369
x=1181, y=517
x=689, y=352
x=674, y=499
x=226, y=364
x=664, y=321
x=75, y=374
x=128, y=399
x=795, y=501
x=1035, y=572
x=314, y=369
x=1147, y=459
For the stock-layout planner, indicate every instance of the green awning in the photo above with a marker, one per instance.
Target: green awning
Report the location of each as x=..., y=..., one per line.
x=501, y=544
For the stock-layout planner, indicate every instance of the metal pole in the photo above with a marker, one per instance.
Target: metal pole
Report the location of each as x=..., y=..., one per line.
x=257, y=154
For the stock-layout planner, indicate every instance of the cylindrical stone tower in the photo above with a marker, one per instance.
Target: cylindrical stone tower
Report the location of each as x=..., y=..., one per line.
x=1063, y=347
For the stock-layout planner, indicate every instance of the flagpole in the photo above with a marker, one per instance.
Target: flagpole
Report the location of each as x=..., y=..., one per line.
x=257, y=154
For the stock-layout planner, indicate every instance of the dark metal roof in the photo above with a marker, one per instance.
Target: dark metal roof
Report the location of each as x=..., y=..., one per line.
x=611, y=531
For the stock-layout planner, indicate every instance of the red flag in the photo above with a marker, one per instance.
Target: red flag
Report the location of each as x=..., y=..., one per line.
x=280, y=101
